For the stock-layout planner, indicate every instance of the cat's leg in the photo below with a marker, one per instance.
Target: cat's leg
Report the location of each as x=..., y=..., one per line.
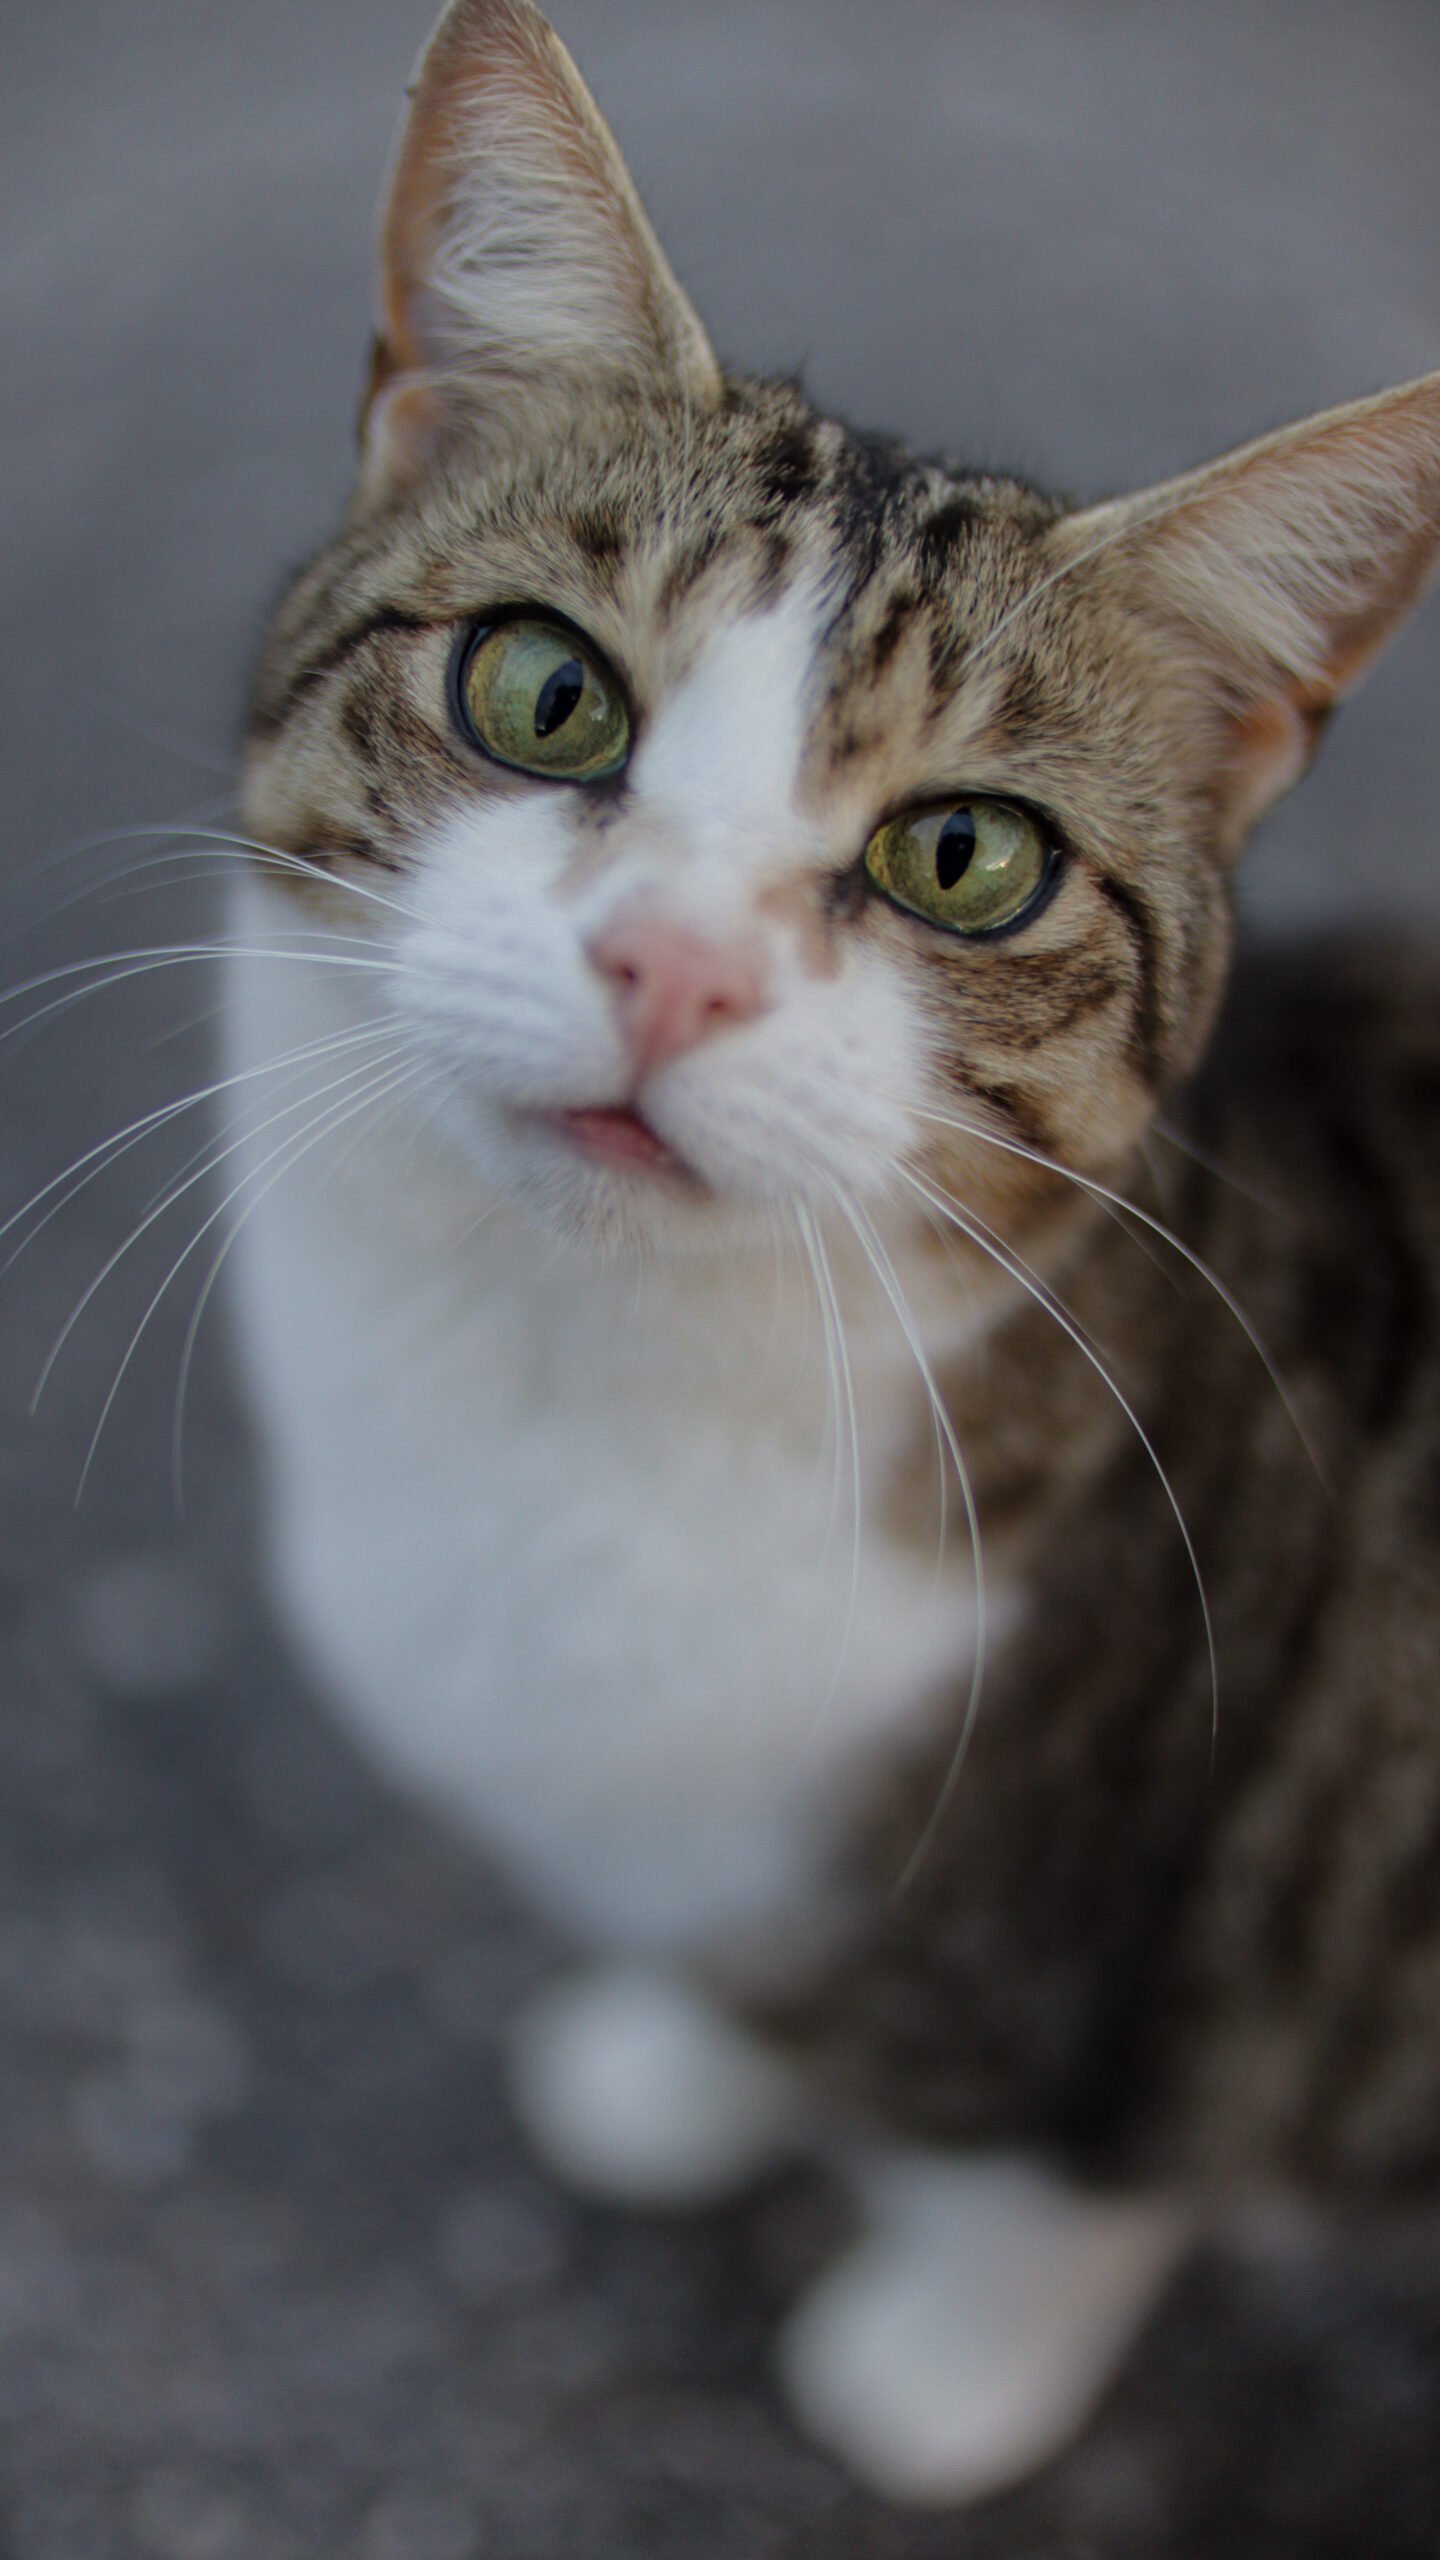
x=636, y=2088
x=971, y=2331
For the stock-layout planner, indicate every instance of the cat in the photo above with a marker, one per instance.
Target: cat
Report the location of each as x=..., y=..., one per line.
x=813, y=1403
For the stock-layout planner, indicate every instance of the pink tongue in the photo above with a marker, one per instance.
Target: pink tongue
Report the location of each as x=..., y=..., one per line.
x=617, y=1137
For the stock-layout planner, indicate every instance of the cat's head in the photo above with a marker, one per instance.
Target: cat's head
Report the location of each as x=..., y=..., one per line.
x=760, y=820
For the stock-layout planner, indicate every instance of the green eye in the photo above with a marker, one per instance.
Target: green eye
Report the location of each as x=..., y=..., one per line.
x=534, y=695
x=972, y=869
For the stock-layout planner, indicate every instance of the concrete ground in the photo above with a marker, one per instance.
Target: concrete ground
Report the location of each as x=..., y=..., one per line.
x=275, y=2276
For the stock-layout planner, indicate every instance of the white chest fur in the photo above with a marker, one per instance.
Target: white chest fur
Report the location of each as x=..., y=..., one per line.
x=565, y=1539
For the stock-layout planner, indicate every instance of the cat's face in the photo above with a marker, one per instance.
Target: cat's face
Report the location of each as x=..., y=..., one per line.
x=782, y=629
x=761, y=824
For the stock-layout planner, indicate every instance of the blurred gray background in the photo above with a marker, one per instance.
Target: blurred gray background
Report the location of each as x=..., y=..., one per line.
x=274, y=2278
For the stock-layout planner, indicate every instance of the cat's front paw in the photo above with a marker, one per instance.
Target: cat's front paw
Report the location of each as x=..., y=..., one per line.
x=637, y=2090
x=970, y=2334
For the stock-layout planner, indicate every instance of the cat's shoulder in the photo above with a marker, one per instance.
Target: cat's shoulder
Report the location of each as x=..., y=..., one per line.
x=1311, y=1132
x=1333, y=1028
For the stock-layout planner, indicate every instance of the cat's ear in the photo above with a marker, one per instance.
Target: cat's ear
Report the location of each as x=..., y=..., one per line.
x=518, y=268
x=1280, y=572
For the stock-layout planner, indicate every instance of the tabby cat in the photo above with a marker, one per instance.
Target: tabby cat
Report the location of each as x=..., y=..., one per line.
x=923, y=1566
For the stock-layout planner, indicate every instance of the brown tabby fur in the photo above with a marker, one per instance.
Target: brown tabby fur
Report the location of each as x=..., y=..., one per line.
x=1168, y=1942
x=1181, y=1952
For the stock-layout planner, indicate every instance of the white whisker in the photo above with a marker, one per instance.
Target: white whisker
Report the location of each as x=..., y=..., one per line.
x=116, y=967
x=97, y=1160
x=1222, y=1173
x=946, y=1441
x=831, y=1316
x=83, y=845
x=832, y=1383
x=185, y=868
x=1133, y=520
x=1117, y=1201
x=381, y=1081
x=1044, y=1298
x=224, y=843
x=172, y=1194
x=221, y=843
x=130, y=725
x=208, y=1285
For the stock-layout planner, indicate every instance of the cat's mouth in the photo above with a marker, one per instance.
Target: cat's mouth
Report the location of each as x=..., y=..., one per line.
x=618, y=1136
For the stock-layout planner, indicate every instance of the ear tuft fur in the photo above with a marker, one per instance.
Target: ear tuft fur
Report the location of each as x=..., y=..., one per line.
x=517, y=262
x=1288, y=565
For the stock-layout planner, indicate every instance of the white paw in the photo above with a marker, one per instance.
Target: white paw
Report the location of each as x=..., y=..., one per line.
x=637, y=2090
x=968, y=2337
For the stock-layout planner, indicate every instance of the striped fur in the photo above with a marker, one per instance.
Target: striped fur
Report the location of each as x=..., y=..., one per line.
x=1181, y=1949
x=1175, y=1920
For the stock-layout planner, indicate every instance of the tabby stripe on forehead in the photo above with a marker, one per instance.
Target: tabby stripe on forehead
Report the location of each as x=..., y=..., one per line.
x=381, y=618
x=790, y=465
x=896, y=620
x=1135, y=916
x=938, y=536
x=873, y=471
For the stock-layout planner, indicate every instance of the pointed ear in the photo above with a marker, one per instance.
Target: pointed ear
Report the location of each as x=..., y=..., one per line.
x=1286, y=567
x=517, y=265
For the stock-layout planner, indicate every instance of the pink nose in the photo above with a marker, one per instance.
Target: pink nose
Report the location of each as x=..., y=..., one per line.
x=673, y=989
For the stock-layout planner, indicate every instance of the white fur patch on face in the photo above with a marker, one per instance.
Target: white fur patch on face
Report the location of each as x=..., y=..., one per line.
x=724, y=754
x=523, y=1026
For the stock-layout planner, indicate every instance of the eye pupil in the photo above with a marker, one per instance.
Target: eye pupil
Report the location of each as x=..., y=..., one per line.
x=977, y=868
x=558, y=697
x=955, y=849
x=531, y=694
